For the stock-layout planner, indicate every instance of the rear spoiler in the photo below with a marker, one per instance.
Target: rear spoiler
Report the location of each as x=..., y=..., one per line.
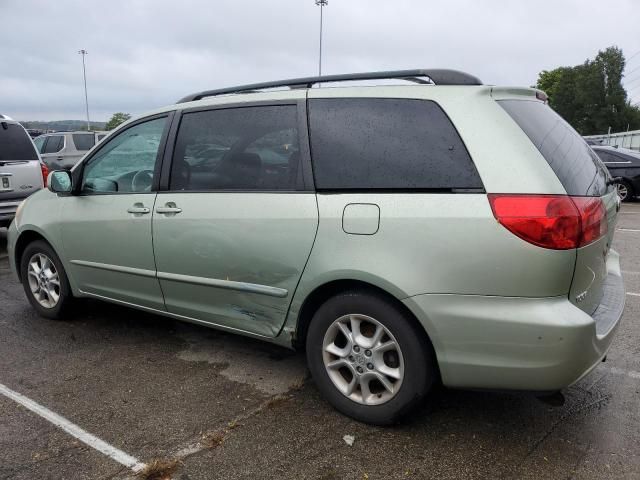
x=523, y=93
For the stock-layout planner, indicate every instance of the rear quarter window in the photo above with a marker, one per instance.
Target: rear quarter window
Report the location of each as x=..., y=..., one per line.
x=15, y=143
x=383, y=144
x=575, y=164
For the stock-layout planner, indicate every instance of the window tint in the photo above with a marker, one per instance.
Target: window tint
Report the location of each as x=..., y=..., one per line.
x=15, y=143
x=373, y=143
x=625, y=156
x=39, y=143
x=607, y=157
x=126, y=162
x=577, y=166
x=84, y=141
x=249, y=148
x=54, y=144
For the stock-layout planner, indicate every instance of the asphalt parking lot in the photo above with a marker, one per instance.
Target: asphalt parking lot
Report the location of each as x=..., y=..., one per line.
x=214, y=405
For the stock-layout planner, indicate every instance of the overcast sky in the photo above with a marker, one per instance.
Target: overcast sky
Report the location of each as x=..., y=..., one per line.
x=148, y=53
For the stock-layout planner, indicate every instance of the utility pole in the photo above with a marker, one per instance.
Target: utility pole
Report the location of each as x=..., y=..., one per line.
x=322, y=3
x=83, y=52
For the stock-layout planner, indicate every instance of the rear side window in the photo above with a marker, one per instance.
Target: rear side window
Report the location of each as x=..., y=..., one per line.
x=248, y=148
x=39, y=142
x=607, y=157
x=15, y=143
x=84, y=141
x=618, y=158
x=54, y=144
x=577, y=167
x=380, y=143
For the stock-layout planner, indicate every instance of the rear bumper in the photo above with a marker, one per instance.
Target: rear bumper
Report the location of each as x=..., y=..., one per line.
x=517, y=343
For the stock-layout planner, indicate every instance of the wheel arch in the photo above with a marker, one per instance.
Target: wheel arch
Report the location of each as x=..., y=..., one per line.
x=631, y=186
x=321, y=293
x=26, y=237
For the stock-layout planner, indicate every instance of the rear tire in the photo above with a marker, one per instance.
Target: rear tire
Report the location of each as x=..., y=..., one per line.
x=368, y=359
x=625, y=191
x=45, y=281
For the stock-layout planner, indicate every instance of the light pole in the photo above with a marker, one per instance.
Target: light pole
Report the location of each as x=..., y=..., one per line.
x=83, y=52
x=322, y=3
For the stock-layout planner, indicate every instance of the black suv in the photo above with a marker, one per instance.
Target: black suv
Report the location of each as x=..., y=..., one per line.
x=624, y=166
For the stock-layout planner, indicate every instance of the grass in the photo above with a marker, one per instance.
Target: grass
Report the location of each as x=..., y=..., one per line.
x=213, y=440
x=159, y=469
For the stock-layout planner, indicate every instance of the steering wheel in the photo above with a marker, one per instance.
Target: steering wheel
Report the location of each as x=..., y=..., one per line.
x=142, y=180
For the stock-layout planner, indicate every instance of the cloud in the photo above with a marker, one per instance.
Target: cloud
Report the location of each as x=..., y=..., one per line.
x=147, y=53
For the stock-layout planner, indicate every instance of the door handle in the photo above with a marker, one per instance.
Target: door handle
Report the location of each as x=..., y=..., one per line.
x=169, y=208
x=138, y=208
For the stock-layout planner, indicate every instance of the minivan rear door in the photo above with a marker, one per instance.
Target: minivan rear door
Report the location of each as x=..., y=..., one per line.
x=20, y=173
x=582, y=174
x=235, y=225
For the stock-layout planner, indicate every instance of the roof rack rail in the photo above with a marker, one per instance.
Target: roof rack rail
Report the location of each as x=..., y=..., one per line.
x=435, y=76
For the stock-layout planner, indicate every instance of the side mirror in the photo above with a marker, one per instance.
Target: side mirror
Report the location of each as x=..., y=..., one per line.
x=59, y=181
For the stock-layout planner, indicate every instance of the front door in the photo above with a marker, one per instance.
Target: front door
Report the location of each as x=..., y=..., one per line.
x=106, y=225
x=234, y=231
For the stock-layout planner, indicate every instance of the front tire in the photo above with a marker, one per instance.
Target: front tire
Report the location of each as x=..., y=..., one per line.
x=368, y=359
x=44, y=280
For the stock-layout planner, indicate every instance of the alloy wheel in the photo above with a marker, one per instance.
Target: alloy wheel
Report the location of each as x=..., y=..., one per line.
x=363, y=359
x=44, y=281
x=623, y=191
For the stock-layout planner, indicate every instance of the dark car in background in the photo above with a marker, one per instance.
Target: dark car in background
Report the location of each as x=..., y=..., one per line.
x=624, y=166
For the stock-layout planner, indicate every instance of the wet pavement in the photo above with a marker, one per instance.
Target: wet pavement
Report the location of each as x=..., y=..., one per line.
x=229, y=407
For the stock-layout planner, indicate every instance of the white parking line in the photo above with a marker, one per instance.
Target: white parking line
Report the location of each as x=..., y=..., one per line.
x=633, y=294
x=74, y=430
x=627, y=230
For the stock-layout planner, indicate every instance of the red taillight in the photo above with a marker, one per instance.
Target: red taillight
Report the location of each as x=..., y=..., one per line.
x=593, y=218
x=558, y=222
x=45, y=173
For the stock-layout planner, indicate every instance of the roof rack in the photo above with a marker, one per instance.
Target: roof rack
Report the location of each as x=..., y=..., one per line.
x=435, y=76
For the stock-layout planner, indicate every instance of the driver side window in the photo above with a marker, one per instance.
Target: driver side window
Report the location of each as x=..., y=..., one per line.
x=126, y=162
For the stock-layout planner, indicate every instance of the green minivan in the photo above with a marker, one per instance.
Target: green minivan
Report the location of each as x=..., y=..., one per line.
x=434, y=230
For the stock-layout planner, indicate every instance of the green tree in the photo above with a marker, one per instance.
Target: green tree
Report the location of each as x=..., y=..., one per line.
x=116, y=119
x=559, y=85
x=591, y=96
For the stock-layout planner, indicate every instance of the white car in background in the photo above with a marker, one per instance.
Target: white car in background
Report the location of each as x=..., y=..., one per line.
x=21, y=171
x=62, y=150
